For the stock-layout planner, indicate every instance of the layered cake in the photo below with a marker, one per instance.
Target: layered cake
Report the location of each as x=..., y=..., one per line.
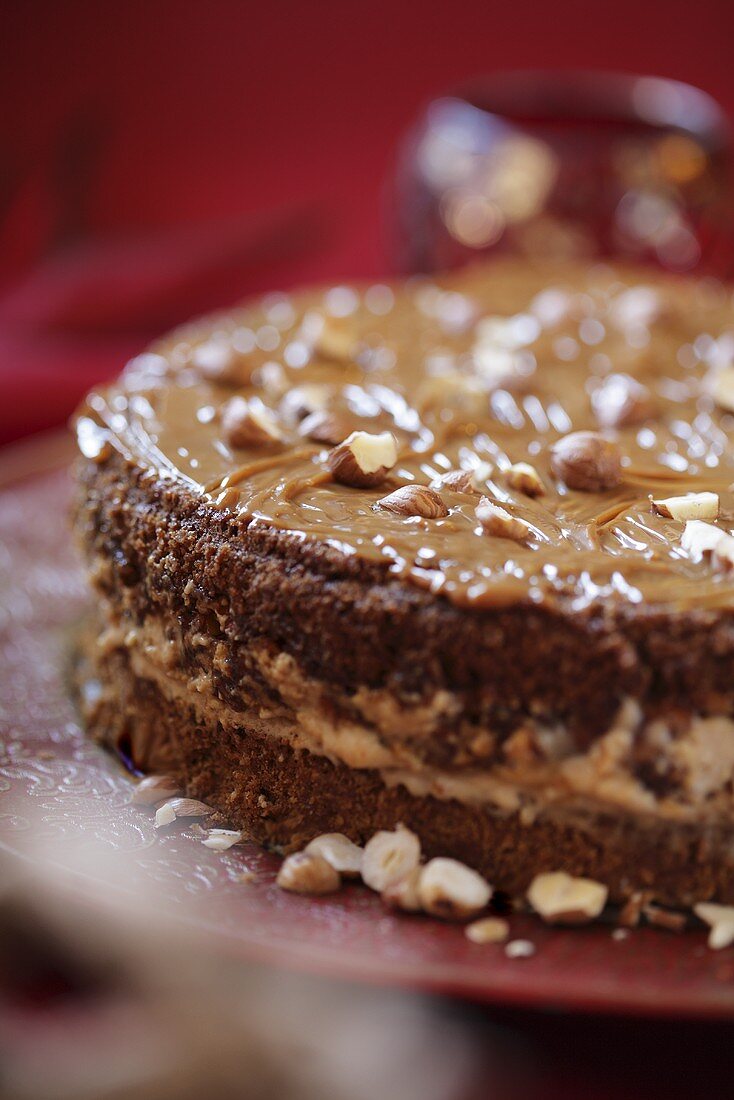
x=453, y=553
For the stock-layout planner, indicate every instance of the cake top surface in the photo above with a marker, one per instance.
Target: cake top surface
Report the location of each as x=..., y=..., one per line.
x=465, y=476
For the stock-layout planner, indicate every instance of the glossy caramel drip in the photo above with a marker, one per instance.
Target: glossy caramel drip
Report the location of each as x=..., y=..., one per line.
x=492, y=365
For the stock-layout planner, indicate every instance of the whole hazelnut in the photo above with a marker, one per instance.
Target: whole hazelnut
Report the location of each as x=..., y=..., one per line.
x=621, y=401
x=499, y=523
x=586, y=461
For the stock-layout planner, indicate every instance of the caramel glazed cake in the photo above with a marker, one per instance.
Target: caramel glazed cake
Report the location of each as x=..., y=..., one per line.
x=453, y=553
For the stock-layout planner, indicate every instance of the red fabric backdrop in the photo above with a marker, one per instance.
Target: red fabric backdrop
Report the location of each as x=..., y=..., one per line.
x=196, y=111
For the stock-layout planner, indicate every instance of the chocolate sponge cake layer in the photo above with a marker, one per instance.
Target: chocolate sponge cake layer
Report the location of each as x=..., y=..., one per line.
x=458, y=553
x=283, y=797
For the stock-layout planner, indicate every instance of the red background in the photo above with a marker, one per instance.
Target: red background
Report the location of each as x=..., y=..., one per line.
x=213, y=109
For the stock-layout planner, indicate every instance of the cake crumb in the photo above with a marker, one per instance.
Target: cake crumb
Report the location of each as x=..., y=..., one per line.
x=519, y=949
x=665, y=918
x=488, y=930
x=245, y=877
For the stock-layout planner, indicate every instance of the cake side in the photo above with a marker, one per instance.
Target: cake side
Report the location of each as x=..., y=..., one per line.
x=283, y=796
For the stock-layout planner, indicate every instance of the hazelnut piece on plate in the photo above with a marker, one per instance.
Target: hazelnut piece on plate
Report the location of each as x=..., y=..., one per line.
x=249, y=423
x=220, y=840
x=363, y=460
x=561, y=899
x=307, y=873
x=586, y=461
x=488, y=930
x=342, y=853
x=452, y=890
x=414, y=500
x=404, y=893
x=389, y=857
x=153, y=789
x=174, y=808
x=720, y=919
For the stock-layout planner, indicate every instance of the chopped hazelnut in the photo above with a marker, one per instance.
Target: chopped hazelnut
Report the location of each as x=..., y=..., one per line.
x=452, y=890
x=217, y=361
x=219, y=840
x=458, y=481
x=702, y=540
x=488, y=930
x=499, y=523
x=525, y=479
x=164, y=815
x=153, y=789
x=468, y=395
x=325, y=427
x=466, y=481
x=561, y=899
x=167, y=813
x=498, y=366
x=404, y=894
x=586, y=461
x=249, y=423
x=272, y=378
x=414, y=500
x=336, y=341
x=690, y=506
x=723, y=554
x=723, y=389
x=720, y=919
x=338, y=850
x=189, y=807
x=301, y=401
x=307, y=873
x=389, y=857
x=621, y=401
x=363, y=460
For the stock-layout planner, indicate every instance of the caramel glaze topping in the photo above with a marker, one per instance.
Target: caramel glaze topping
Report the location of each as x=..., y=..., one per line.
x=473, y=374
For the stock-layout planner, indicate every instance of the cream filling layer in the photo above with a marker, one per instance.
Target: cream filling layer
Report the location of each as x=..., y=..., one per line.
x=702, y=757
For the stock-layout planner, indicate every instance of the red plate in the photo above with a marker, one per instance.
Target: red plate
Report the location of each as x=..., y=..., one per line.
x=61, y=795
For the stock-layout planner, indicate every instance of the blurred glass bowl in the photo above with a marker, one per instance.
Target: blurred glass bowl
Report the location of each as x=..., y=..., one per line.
x=568, y=165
